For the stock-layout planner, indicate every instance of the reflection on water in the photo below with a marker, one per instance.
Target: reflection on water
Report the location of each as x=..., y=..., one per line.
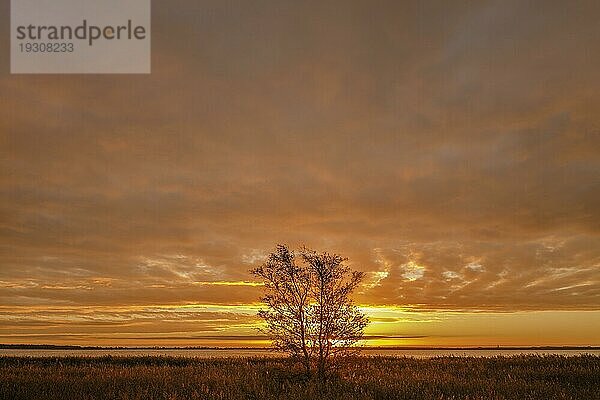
x=207, y=353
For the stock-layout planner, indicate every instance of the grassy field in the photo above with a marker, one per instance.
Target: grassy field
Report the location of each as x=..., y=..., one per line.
x=520, y=377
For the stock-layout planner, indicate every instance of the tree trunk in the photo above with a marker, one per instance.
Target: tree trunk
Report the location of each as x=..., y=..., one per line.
x=306, y=363
x=321, y=368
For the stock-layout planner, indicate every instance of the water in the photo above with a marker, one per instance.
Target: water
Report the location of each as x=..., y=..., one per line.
x=211, y=353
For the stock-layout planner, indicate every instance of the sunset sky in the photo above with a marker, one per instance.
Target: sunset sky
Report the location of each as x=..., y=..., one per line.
x=449, y=149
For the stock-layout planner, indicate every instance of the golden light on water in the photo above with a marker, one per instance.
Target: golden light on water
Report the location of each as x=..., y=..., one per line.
x=450, y=152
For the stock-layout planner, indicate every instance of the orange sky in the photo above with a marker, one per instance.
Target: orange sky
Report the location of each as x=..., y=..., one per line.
x=451, y=150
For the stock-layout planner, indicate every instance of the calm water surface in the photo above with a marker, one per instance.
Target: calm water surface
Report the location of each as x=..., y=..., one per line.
x=267, y=353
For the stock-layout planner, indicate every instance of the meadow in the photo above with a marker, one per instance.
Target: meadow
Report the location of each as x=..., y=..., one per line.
x=515, y=377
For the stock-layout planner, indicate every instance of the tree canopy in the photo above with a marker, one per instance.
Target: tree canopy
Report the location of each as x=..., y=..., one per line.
x=309, y=313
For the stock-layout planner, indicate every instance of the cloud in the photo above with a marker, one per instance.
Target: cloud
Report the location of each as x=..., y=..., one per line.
x=449, y=150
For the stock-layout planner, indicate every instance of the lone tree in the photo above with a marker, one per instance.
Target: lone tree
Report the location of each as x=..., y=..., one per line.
x=309, y=313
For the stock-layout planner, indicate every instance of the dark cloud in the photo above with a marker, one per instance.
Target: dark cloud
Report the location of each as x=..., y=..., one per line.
x=451, y=150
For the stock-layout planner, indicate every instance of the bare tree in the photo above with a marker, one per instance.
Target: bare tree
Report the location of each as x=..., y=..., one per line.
x=287, y=297
x=309, y=313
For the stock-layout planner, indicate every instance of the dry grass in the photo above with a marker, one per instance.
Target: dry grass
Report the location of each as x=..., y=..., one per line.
x=519, y=377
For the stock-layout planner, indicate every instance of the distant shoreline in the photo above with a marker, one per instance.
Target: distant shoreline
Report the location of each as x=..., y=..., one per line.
x=75, y=347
